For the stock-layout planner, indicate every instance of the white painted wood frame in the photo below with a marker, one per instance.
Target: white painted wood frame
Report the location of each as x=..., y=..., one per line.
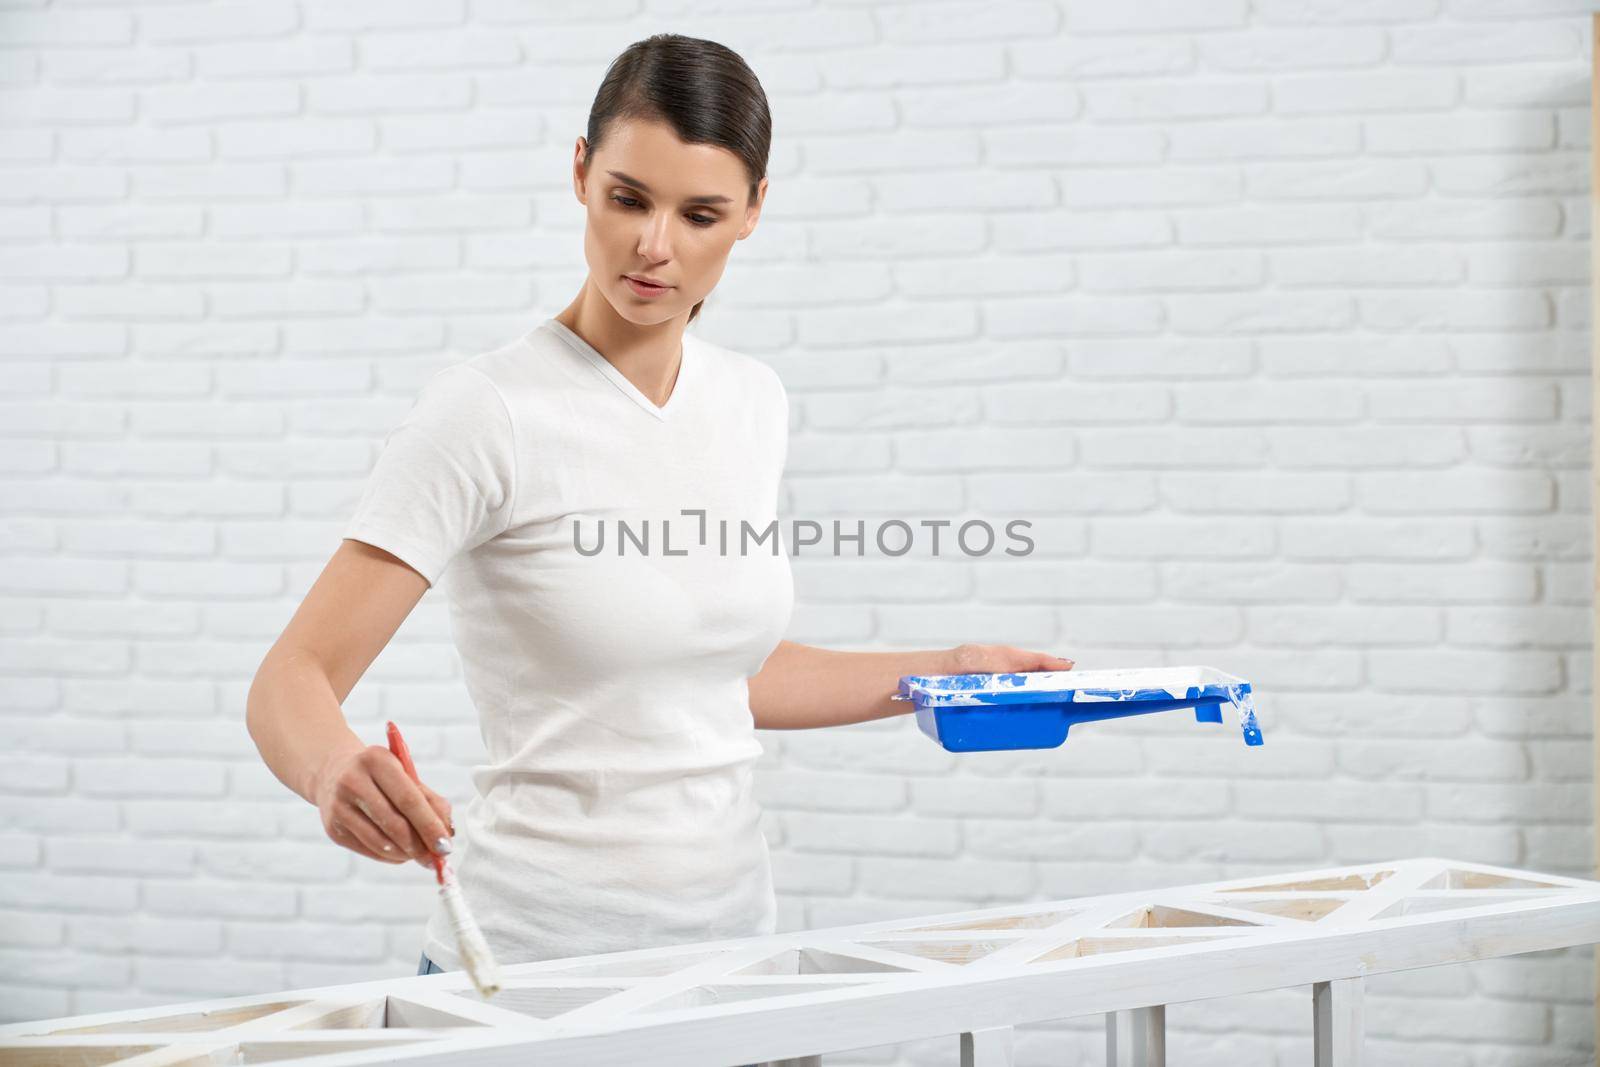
x=974, y=976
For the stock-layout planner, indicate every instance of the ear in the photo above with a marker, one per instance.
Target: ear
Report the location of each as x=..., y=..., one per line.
x=579, y=178
x=753, y=212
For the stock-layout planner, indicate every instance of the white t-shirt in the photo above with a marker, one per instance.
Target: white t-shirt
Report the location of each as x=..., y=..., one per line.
x=616, y=808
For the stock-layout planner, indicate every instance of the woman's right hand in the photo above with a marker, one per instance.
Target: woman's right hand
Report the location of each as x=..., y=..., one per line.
x=370, y=805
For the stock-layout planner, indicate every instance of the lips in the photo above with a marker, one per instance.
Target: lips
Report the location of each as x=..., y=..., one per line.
x=645, y=289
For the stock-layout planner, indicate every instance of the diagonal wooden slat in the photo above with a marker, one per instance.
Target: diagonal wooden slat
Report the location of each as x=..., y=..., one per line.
x=1411, y=876
x=651, y=990
x=438, y=1007
x=1050, y=938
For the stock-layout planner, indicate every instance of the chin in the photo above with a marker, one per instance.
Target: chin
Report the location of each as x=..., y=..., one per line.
x=645, y=312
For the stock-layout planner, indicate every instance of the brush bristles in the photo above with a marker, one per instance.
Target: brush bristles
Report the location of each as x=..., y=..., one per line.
x=475, y=954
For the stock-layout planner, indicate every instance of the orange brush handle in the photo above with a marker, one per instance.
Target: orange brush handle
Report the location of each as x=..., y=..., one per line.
x=397, y=745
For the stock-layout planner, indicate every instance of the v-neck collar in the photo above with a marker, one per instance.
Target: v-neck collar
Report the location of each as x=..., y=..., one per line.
x=686, y=363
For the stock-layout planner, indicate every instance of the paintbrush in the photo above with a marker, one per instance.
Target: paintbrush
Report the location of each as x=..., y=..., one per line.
x=474, y=949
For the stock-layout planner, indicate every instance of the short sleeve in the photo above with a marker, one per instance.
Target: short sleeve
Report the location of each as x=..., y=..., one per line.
x=445, y=481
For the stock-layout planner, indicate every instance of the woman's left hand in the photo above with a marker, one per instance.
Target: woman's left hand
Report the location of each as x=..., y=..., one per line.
x=1002, y=659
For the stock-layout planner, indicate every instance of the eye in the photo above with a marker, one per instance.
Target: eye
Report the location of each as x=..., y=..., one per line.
x=698, y=220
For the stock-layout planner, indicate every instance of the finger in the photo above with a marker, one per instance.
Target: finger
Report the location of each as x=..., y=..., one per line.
x=408, y=799
x=441, y=808
x=357, y=820
x=343, y=835
x=374, y=802
x=441, y=805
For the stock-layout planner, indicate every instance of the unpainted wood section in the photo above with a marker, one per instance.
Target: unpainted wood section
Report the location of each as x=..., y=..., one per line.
x=633, y=967
x=537, y=1001
x=1304, y=909
x=756, y=989
x=796, y=961
x=730, y=992
x=649, y=992
x=1482, y=880
x=959, y=953
x=1423, y=905
x=1345, y=881
x=366, y=1014
x=198, y=1037
x=437, y=1008
x=1033, y=921
x=187, y=1022
x=26, y=1052
x=1405, y=880
x=893, y=954
x=327, y=1043
x=1094, y=946
x=1032, y=947
x=276, y=1049
x=1159, y=915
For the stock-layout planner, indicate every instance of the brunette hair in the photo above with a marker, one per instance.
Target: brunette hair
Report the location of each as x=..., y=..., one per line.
x=702, y=89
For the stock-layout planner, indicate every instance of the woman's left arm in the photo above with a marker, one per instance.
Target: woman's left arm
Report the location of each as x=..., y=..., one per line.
x=802, y=686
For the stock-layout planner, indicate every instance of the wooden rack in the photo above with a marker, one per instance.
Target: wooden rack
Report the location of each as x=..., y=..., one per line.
x=792, y=998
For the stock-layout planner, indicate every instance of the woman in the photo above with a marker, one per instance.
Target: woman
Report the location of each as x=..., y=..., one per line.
x=618, y=689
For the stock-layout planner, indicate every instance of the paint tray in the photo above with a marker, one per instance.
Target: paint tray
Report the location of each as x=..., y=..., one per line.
x=1035, y=709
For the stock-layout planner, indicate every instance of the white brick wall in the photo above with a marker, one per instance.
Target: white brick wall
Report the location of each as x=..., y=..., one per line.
x=1272, y=317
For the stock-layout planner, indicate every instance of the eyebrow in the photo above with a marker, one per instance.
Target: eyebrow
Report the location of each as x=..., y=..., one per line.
x=643, y=188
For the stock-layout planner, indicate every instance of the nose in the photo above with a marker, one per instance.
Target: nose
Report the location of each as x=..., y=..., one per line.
x=653, y=243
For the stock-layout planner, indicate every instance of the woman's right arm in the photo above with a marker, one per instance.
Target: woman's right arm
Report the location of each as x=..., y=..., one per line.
x=367, y=801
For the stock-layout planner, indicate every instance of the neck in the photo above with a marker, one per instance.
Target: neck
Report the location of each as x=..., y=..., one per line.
x=647, y=355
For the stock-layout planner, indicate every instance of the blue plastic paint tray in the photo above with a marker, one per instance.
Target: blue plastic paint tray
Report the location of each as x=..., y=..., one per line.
x=1035, y=709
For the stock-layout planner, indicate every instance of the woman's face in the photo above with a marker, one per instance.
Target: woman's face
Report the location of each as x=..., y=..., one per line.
x=643, y=191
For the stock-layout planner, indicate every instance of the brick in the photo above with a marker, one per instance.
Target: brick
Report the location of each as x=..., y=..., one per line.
x=1085, y=16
